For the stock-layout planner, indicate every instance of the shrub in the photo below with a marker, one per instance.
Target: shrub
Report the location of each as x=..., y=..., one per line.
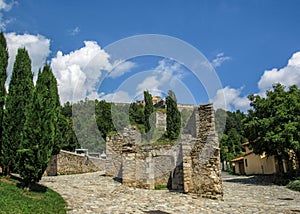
x=294, y=185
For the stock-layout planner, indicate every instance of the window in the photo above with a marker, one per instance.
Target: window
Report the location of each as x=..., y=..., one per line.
x=246, y=163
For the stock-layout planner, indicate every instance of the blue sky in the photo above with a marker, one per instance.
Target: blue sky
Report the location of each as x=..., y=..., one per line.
x=251, y=45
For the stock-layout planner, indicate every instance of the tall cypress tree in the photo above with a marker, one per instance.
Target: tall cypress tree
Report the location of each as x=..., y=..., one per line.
x=18, y=98
x=3, y=75
x=173, y=117
x=149, y=109
x=40, y=129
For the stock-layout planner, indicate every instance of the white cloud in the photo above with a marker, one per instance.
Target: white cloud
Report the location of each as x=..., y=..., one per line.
x=219, y=60
x=166, y=75
x=288, y=75
x=75, y=31
x=5, y=7
x=38, y=48
x=79, y=71
x=163, y=76
x=117, y=97
x=230, y=98
x=120, y=68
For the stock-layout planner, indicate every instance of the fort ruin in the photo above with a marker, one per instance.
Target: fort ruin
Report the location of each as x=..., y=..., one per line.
x=190, y=166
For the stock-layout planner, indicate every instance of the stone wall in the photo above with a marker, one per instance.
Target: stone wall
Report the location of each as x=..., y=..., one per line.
x=70, y=163
x=191, y=166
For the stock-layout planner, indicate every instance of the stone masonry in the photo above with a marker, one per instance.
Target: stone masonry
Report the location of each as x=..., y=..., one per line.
x=190, y=166
x=66, y=163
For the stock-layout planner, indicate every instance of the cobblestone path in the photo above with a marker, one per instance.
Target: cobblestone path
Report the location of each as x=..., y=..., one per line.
x=95, y=193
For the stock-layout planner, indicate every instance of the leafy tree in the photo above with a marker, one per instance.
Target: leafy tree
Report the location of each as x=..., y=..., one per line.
x=104, y=118
x=148, y=110
x=220, y=117
x=40, y=129
x=3, y=75
x=85, y=126
x=66, y=110
x=136, y=116
x=69, y=140
x=173, y=117
x=230, y=132
x=17, y=101
x=272, y=125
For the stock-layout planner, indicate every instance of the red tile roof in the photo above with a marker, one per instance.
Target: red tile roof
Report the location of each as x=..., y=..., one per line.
x=237, y=159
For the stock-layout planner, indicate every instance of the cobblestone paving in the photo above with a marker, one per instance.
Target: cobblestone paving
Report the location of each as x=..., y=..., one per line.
x=95, y=193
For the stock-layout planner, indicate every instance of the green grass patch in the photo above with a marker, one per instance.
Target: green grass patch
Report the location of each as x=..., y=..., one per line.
x=161, y=187
x=294, y=185
x=13, y=199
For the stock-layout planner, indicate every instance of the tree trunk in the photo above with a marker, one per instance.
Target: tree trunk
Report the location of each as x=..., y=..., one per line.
x=280, y=169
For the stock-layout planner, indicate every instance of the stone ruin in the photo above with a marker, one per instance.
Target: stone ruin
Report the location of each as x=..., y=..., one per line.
x=190, y=166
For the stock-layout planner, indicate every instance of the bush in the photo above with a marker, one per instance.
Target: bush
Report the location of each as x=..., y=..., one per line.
x=294, y=185
x=161, y=187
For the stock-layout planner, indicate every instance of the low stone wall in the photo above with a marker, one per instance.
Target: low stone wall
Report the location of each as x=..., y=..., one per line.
x=70, y=163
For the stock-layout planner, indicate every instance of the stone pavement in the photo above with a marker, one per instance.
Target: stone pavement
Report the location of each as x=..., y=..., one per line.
x=95, y=193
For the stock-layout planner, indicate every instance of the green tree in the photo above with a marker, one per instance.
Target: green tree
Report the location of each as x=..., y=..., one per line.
x=3, y=75
x=40, y=129
x=272, y=125
x=104, y=118
x=230, y=131
x=17, y=101
x=69, y=140
x=85, y=125
x=173, y=117
x=136, y=116
x=148, y=110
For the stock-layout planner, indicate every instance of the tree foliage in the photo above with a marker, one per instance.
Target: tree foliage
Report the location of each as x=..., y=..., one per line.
x=69, y=140
x=230, y=132
x=273, y=123
x=149, y=109
x=173, y=117
x=136, y=116
x=17, y=101
x=41, y=131
x=104, y=118
x=3, y=75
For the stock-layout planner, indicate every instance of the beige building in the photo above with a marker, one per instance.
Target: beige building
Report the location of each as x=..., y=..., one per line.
x=251, y=163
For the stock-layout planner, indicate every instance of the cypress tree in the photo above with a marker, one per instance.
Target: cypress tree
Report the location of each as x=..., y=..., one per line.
x=149, y=109
x=173, y=117
x=40, y=129
x=3, y=76
x=17, y=100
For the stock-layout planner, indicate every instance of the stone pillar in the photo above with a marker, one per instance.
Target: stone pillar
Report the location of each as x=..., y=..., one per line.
x=129, y=169
x=205, y=157
x=150, y=172
x=113, y=165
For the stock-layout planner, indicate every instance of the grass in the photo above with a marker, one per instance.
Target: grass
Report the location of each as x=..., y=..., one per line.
x=13, y=199
x=161, y=187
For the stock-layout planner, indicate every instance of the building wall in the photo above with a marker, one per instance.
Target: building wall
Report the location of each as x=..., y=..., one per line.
x=255, y=164
x=239, y=167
